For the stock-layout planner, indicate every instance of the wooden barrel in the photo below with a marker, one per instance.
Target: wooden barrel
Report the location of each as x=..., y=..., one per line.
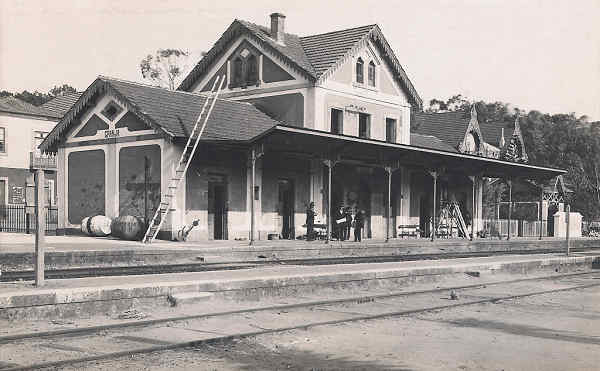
x=128, y=227
x=99, y=225
x=85, y=226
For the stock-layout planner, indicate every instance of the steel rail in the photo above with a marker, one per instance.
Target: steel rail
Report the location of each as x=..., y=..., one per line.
x=359, y=299
x=225, y=338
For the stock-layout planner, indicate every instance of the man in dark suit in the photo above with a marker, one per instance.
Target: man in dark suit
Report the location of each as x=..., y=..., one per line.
x=310, y=222
x=359, y=223
x=348, y=216
x=340, y=221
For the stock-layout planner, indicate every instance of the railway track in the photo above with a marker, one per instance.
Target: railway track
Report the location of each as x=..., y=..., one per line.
x=27, y=275
x=78, y=345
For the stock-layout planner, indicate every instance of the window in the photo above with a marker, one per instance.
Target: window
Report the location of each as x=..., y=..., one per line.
x=111, y=110
x=2, y=140
x=390, y=130
x=251, y=70
x=364, y=125
x=337, y=121
x=50, y=192
x=3, y=192
x=359, y=71
x=38, y=138
x=371, y=74
x=237, y=71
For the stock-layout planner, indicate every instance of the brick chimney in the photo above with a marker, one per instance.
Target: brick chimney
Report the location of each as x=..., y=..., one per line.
x=278, y=27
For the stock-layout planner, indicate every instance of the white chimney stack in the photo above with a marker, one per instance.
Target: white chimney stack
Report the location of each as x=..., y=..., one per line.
x=278, y=27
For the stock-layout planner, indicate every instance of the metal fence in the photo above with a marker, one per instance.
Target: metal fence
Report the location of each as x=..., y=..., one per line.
x=21, y=219
x=518, y=228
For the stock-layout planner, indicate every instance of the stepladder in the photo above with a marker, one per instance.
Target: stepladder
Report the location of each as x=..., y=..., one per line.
x=181, y=167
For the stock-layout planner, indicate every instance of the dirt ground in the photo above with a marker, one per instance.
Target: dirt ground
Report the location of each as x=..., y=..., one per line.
x=559, y=331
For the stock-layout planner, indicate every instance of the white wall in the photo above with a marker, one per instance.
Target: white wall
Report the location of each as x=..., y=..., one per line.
x=19, y=134
x=386, y=99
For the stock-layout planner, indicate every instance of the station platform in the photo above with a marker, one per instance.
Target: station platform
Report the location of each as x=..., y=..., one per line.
x=62, y=252
x=88, y=296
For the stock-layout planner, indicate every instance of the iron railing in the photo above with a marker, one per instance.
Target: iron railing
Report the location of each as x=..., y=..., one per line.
x=21, y=218
x=38, y=161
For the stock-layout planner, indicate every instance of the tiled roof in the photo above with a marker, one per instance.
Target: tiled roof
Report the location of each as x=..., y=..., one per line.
x=292, y=48
x=61, y=104
x=448, y=126
x=177, y=112
x=431, y=142
x=324, y=50
x=493, y=130
x=312, y=55
x=15, y=105
x=173, y=112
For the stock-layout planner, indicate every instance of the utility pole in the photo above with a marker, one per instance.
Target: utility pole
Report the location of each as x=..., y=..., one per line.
x=567, y=214
x=146, y=169
x=40, y=227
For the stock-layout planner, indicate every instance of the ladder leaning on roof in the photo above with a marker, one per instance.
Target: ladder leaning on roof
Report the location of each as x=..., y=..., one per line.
x=184, y=162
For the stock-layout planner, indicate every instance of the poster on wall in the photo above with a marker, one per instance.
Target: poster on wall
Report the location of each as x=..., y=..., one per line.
x=17, y=195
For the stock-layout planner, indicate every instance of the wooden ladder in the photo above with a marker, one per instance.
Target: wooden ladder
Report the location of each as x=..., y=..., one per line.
x=461, y=222
x=184, y=162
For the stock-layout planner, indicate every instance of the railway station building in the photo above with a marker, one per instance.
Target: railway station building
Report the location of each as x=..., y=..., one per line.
x=323, y=118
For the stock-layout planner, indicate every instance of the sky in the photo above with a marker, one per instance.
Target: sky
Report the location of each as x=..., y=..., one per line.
x=542, y=55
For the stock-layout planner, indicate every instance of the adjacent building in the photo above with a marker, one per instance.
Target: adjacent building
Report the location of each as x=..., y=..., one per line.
x=23, y=127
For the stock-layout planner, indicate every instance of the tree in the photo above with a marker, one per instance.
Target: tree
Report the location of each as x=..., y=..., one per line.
x=454, y=103
x=38, y=98
x=62, y=90
x=165, y=68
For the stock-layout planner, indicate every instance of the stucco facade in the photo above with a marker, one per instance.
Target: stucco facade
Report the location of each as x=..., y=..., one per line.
x=21, y=134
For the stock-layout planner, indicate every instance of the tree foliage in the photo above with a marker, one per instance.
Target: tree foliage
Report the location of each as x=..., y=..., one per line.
x=562, y=141
x=38, y=98
x=165, y=68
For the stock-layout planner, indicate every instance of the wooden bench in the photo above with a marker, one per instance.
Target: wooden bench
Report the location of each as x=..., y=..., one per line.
x=409, y=230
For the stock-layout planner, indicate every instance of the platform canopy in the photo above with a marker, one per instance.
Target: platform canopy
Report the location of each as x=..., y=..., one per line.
x=369, y=152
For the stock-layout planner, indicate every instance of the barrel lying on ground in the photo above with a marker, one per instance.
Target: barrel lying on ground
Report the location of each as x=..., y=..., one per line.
x=128, y=227
x=98, y=225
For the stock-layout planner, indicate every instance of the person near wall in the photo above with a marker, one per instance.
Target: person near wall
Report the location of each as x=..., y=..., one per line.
x=310, y=222
x=348, y=216
x=340, y=223
x=359, y=223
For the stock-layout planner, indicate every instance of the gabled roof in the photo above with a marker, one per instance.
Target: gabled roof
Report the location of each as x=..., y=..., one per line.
x=290, y=54
x=450, y=127
x=59, y=105
x=324, y=50
x=312, y=56
x=173, y=113
x=12, y=104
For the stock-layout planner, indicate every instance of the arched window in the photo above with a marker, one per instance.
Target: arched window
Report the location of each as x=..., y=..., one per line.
x=251, y=70
x=237, y=71
x=371, y=73
x=360, y=71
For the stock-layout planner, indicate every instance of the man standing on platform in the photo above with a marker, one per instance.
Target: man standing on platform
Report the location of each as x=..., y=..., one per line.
x=348, y=216
x=310, y=222
x=340, y=220
x=359, y=223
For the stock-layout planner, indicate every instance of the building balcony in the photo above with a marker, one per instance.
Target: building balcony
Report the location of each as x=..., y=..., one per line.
x=43, y=162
